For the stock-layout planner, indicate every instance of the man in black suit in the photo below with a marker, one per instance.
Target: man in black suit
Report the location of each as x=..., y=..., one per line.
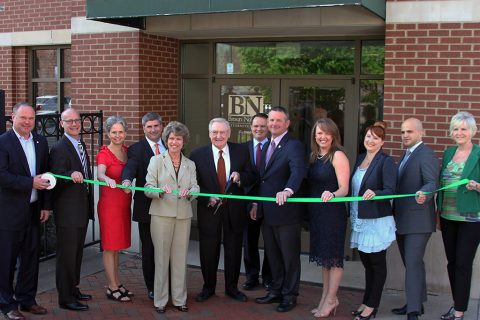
x=415, y=217
x=251, y=257
x=222, y=167
x=281, y=176
x=23, y=158
x=139, y=155
x=73, y=207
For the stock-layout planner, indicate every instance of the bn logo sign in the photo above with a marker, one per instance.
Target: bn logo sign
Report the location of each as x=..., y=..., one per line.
x=241, y=108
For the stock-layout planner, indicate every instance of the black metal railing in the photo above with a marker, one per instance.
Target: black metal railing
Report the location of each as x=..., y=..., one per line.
x=48, y=125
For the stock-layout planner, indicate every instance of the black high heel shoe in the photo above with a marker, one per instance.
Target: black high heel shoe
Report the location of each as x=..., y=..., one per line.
x=356, y=312
x=372, y=314
x=450, y=315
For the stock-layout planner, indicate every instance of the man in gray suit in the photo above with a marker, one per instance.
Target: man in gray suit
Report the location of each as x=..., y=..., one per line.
x=415, y=217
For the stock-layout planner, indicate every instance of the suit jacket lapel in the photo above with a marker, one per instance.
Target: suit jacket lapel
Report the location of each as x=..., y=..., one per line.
x=409, y=160
x=147, y=147
x=38, y=158
x=371, y=167
x=211, y=166
x=168, y=165
x=472, y=161
x=277, y=151
x=19, y=150
x=74, y=153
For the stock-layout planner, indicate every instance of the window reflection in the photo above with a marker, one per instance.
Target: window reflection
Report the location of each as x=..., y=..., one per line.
x=295, y=58
x=371, y=107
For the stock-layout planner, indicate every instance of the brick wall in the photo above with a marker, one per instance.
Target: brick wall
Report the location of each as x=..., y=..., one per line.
x=127, y=74
x=14, y=71
x=34, y=15
x=432, y=71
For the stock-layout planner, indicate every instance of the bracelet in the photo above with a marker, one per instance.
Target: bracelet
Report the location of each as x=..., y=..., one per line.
x=333, y=194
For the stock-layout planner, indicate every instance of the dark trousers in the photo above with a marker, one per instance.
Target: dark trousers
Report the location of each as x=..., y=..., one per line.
x=20, y=247
x=282, y=245
x=148, y=254
x=251, y=257
x=375, y=275
x=211, y=232
x=412, y=249
x=70, y=242
x=460, y=240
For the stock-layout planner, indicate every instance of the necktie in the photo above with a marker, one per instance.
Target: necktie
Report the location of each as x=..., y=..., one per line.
x=404, y=161
x=221, y=174
x=83, y=159
x=157, y=151
x=270, y=150
x=258, y=155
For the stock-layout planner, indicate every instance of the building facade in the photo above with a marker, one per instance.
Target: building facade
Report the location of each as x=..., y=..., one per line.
x=350, y=60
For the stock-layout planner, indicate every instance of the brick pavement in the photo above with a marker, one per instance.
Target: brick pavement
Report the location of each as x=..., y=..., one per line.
x=217, y=307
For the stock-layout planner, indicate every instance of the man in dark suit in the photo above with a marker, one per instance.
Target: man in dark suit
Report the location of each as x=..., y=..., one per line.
x=221, y=167
x=139, y=155
x=415, y=217
x=73, y=207
x=281, y=177
x=251, y=258
x=23, y=158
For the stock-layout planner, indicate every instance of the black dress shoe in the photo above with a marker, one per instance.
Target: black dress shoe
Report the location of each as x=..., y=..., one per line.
x=150, y=295
x=412, y=316
x=250, y=285
x=34, y=309
x=286, y=305
x=237, y=295
x=74, y=306
x=269, y=298
x=14, y=315
x=82, y=296
x=403, y=310
x=203, y=296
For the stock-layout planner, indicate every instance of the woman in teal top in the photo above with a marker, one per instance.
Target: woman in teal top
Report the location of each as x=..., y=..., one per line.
x=460, y=210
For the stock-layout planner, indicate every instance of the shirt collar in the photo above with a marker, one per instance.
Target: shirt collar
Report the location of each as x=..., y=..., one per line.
x=255, y=142
x=415, y=146
x=216, y=150
x=279, y=138
x=20, y=137
x=152, y=143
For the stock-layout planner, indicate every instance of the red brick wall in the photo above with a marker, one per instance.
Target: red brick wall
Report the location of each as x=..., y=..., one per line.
x=127, y=74
x=432, y=71
x=34, y=15
x=13, y=71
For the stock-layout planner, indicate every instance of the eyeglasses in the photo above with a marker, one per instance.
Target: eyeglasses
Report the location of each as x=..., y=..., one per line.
x=70, y=121
x=215, y=133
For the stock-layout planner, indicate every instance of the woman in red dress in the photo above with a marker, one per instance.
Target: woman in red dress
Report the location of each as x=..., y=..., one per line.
x=114, y=206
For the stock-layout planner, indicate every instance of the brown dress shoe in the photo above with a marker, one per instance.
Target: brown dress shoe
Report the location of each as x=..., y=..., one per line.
x=14, y=315
x=34, y=309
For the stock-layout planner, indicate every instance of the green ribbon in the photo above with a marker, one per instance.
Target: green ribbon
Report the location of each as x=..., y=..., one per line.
x=272, y=199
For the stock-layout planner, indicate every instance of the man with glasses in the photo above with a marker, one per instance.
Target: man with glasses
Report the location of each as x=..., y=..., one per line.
x=23, y=158
x=73, y=207
x=222, y=167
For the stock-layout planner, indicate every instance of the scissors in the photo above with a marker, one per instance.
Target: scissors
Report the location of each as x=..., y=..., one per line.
x=218, y=205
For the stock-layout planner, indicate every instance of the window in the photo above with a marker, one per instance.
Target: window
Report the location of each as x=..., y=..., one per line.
x=51, y=79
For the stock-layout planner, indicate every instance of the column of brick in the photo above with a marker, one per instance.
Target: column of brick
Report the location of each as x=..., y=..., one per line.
x=432, y=71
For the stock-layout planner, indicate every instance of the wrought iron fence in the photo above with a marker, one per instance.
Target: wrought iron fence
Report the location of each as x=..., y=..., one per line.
x=91, y=132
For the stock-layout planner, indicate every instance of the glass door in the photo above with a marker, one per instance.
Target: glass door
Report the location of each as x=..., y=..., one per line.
x=309, y=100
x=238, y=100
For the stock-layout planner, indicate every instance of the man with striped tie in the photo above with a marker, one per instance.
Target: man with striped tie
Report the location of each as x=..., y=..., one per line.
x=72, y=207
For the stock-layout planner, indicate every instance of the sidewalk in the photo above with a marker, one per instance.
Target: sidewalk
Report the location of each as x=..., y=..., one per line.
x=218, y=307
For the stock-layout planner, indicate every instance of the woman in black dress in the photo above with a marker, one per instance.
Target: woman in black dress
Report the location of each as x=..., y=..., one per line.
x=328, y=178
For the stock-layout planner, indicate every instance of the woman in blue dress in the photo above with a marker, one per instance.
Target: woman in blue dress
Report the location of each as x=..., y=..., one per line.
x=328, y=178
x=373, y=226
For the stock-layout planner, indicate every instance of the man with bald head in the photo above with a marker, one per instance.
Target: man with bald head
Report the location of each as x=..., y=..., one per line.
x=418, y=172
x=72, y=207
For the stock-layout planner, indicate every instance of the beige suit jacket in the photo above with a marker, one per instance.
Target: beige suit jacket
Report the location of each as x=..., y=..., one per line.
x=160, y=173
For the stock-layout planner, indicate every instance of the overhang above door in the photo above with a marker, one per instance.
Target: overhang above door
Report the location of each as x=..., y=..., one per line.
x=208, y=19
